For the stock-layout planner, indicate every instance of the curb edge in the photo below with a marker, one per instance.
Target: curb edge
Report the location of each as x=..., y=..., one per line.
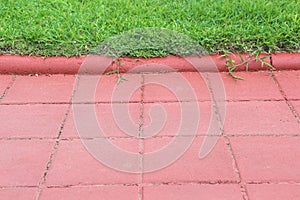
x=22, y=65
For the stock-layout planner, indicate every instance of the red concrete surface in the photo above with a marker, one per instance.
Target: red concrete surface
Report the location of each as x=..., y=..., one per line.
x=18, y=193
x=216, y=167
x=173, y=119
x=289, y=81
x=170, y=88
x=255, y=86
x=260, y=118
x=31, y=121
x=274, y=191
x=45, y=89
x=90, y=193
x=73, y=165
x=105, y=115
x=114, y=92
x=193, y=192
x=267, y=158
x=255, y=156
x=23, y=162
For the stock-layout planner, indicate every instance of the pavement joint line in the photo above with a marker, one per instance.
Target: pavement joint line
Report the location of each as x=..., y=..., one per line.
x=273, y=182
x=287, y=101
x=153, y=73
x=34, y=103
x=132, y=137
x=106, y=102
x=141, y=141
x=66, y=103
x=47, y=75
x=292, y=99
x=145, y=72
x=69, y=139
x=53, y=153
x=10, y=84
x=93, y=185
x=30, y=138
x=242, y=185
x=263, y=135
x=18, y=186
x=156, y=184
x=77, y=79
x=209, y=100
x=178, y=183
x=135, y=102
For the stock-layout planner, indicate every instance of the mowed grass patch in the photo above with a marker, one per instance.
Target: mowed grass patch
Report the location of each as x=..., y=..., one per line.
x=74, y=27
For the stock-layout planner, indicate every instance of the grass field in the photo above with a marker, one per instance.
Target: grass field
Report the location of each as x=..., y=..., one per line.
x=75, y=27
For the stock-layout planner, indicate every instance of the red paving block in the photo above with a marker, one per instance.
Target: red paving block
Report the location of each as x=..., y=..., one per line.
x=216, y=166
x=170, y=120
x=267, y=158
x=23, y=162
x=5, y=80
x=193, y=192
x=91, y=193
x=54, y=88
x=115, y=120
x=26, y=121
x=18, y=193
x=260, y=118
x=173, y=87
x=74, y=165
x=273, y=191
x=249, y=89
x=289, y=81
x=105, y=88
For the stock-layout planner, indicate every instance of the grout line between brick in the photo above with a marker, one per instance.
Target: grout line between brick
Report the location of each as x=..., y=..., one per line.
x=287, y=101
x=160, y=136
x=10, y=84
x=272, y=182
x=236, y=168
x=147, y=102
x=227, y=141
x=53, y=153
x=217, y=182
x=141, y=141
x=18, y=186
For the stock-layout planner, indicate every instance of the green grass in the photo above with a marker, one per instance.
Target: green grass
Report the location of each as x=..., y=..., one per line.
x=75, y=27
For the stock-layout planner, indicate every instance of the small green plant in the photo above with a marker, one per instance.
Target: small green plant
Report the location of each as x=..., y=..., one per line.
x=117, y=71
x=232, y=66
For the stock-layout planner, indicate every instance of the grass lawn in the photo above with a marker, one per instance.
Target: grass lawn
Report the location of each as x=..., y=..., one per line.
x=75, y=27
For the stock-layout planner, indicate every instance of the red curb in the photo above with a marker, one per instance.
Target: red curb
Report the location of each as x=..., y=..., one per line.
x=252, y=64
x=14, y=64
x=286, y=61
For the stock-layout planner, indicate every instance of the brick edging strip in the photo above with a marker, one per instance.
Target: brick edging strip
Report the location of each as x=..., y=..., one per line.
x=14, y=64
